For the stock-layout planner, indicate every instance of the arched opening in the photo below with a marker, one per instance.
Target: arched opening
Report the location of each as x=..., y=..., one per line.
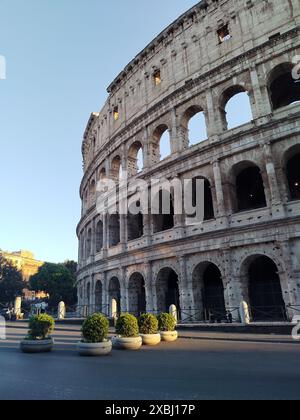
x=209, y=213
x=116, y=169
x=102, y=175
x=194, y=123
x=114, y=292
x=208, y=292
x=293, y=172
x=88, y=296
x=88, y=244
x=92, y=192
x=99, y=236
x=135, y=225
x=249, y=187
x=135, y=159
x=98, y=296
x=236, y=108
x=114, y=230
x=164, y=219
x=284, y=90
x=167, y=290
x=265, y=292
x=162, y=147
x=137, y=295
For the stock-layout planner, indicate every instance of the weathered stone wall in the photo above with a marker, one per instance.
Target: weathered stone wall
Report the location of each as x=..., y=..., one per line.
x=199, y=73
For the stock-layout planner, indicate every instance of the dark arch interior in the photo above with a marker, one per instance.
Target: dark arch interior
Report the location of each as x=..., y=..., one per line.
x=114, y=230
x=164, y=220
x=168, y=290
x=284, y=90
x=135, y=226
x=250, y=189
x=213, y=294
x=137, y=295
x=209, y=213
x=99, y=236
x=98, y=297
x=115, y=292
x=265, y=293
x=293, y=175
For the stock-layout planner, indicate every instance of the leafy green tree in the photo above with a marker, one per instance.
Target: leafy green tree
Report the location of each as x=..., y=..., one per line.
x=11, y=282
x=58, y=281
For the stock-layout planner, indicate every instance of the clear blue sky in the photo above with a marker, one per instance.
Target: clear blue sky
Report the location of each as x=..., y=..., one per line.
x=61, y=56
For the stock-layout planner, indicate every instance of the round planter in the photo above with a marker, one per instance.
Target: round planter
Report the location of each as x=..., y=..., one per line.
x=120, y=343
x=94, y=349
x=169, y=336
x=37, y=346
x=151, y=339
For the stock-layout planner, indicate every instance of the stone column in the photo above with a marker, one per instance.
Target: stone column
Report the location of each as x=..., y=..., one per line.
x=146, y=149
x=124, y=291
x=221, y=210
x=262, y=106
x=149, y=288
x=213, y=118
x=276, y=202
x=175, y=146
x=186, y=295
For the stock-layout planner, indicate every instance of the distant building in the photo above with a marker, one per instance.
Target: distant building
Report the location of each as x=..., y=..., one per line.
x=25, y=262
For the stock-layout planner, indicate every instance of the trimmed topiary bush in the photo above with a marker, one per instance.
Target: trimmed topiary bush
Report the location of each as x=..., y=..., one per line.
x=95, y=329
x=127, y=326
x=148, y=324
x=40, y=327
x=166, y=322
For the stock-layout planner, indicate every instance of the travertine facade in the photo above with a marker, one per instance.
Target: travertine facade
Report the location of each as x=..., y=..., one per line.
x=248, y=248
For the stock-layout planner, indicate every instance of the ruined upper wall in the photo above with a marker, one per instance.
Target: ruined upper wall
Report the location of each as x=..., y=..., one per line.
x=187, y=49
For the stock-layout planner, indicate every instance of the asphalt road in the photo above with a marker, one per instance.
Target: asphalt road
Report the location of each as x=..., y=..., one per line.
x=197, y=369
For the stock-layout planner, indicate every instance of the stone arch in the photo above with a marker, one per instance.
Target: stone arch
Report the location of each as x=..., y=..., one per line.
x=102, y=174
x=99, y=236
x=232, y=101
x=114, y=292
x=137, y=294
x=164, y=219
x=292, y=171
x=135, y=224
x=114, y=230
x=167, y=289
x=135, y=162
x=264, y=291
x=98, y=296
x=283, y=89
x=208, y=292
x=92, y=191
x=194, y=125
x=209, y=211
x=116, y=168
x=162, y=142
x=247, y=187
x=88, y=244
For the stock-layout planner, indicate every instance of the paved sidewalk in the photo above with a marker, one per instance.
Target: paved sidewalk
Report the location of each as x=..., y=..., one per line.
x=187, y=334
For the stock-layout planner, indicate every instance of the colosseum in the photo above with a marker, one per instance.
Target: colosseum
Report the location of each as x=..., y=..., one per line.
x=248, y=246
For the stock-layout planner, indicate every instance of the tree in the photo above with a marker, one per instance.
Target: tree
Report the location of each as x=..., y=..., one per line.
x=11, y=282
x=58, y=281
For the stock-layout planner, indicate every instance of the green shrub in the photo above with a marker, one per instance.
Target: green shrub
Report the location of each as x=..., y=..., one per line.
x=148, y=324
x=127, y=326
x=166, y=322
x=40, y=327
x=95, y=329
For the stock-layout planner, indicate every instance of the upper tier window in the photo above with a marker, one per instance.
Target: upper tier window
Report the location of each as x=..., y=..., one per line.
x=116, y=113
x=157, y=77
x=224, y=34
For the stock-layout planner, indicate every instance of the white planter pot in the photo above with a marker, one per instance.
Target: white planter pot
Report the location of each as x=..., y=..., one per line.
x=37, y=346
x=169, y=336
x=151, y=339
x=120, y=343
x=94, y=349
